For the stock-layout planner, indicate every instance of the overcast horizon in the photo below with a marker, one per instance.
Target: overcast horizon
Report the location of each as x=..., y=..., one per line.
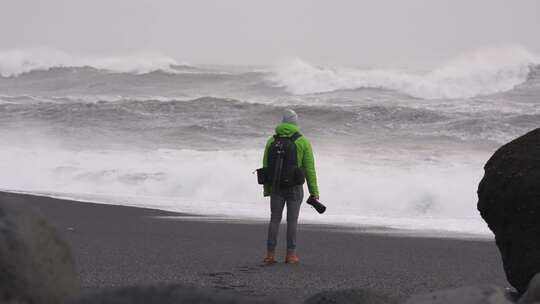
x=362, y=33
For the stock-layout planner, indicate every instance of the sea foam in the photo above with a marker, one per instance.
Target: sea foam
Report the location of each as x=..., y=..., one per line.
x=359, y=190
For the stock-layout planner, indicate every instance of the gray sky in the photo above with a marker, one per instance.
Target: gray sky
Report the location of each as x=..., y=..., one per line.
x=359, y=32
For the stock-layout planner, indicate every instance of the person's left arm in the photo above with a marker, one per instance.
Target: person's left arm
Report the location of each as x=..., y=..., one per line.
x=308, y=163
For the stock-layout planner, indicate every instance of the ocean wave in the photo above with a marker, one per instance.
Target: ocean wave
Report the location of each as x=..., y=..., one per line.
x=17, y=62
x=481, y=72
x=113, y=108
x=232, y=122
x=89, y=99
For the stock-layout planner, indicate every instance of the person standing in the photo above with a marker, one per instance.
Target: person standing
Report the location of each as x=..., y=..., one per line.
x=287, y=174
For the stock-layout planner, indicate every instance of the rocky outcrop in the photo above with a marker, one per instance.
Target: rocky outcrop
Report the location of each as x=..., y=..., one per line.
x=464, y=295
x=532, y=295
x=509, y=201
x=349, y=296
x=36, y=265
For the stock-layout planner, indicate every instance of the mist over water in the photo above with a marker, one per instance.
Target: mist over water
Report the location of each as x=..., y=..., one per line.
x=393, y=148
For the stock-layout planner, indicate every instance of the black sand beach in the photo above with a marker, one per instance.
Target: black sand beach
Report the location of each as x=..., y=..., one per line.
x=121, y=246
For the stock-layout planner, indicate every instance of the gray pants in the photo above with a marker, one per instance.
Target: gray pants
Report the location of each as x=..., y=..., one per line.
x=293, y=198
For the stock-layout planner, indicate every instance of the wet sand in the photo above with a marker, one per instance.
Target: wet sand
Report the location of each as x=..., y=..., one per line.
x=122, y=246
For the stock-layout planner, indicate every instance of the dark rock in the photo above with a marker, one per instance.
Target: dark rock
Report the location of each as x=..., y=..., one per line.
x=166, y=294
x=36, y=266
x=533, y=291
x=509, y=201
x=463, y=295
x=349, y=296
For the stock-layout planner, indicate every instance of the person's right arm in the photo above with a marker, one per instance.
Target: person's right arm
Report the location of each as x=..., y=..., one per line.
x=267, y=188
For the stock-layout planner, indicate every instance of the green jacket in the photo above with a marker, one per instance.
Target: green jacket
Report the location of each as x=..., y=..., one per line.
x=304, y=154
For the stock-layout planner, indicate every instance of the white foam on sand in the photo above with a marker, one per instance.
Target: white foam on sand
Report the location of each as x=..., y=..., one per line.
x=425, y=196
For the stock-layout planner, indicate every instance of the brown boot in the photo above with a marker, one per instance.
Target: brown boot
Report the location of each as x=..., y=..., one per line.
x=292, y=258
x=270, y=258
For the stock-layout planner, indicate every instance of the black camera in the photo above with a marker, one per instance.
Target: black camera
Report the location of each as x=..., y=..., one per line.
x=316, y=204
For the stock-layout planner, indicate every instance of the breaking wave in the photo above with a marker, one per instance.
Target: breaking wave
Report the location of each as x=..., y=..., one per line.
x=17, y=62
x=482, y=72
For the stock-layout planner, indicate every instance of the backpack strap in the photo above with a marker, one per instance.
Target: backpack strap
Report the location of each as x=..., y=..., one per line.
x=293, y=137
x=296, y=136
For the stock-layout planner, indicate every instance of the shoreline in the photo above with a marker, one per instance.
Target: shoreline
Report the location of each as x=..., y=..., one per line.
x=124, y=246
x=322, y=226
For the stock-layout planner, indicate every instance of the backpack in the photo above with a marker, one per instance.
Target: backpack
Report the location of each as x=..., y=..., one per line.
x=282, y=170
